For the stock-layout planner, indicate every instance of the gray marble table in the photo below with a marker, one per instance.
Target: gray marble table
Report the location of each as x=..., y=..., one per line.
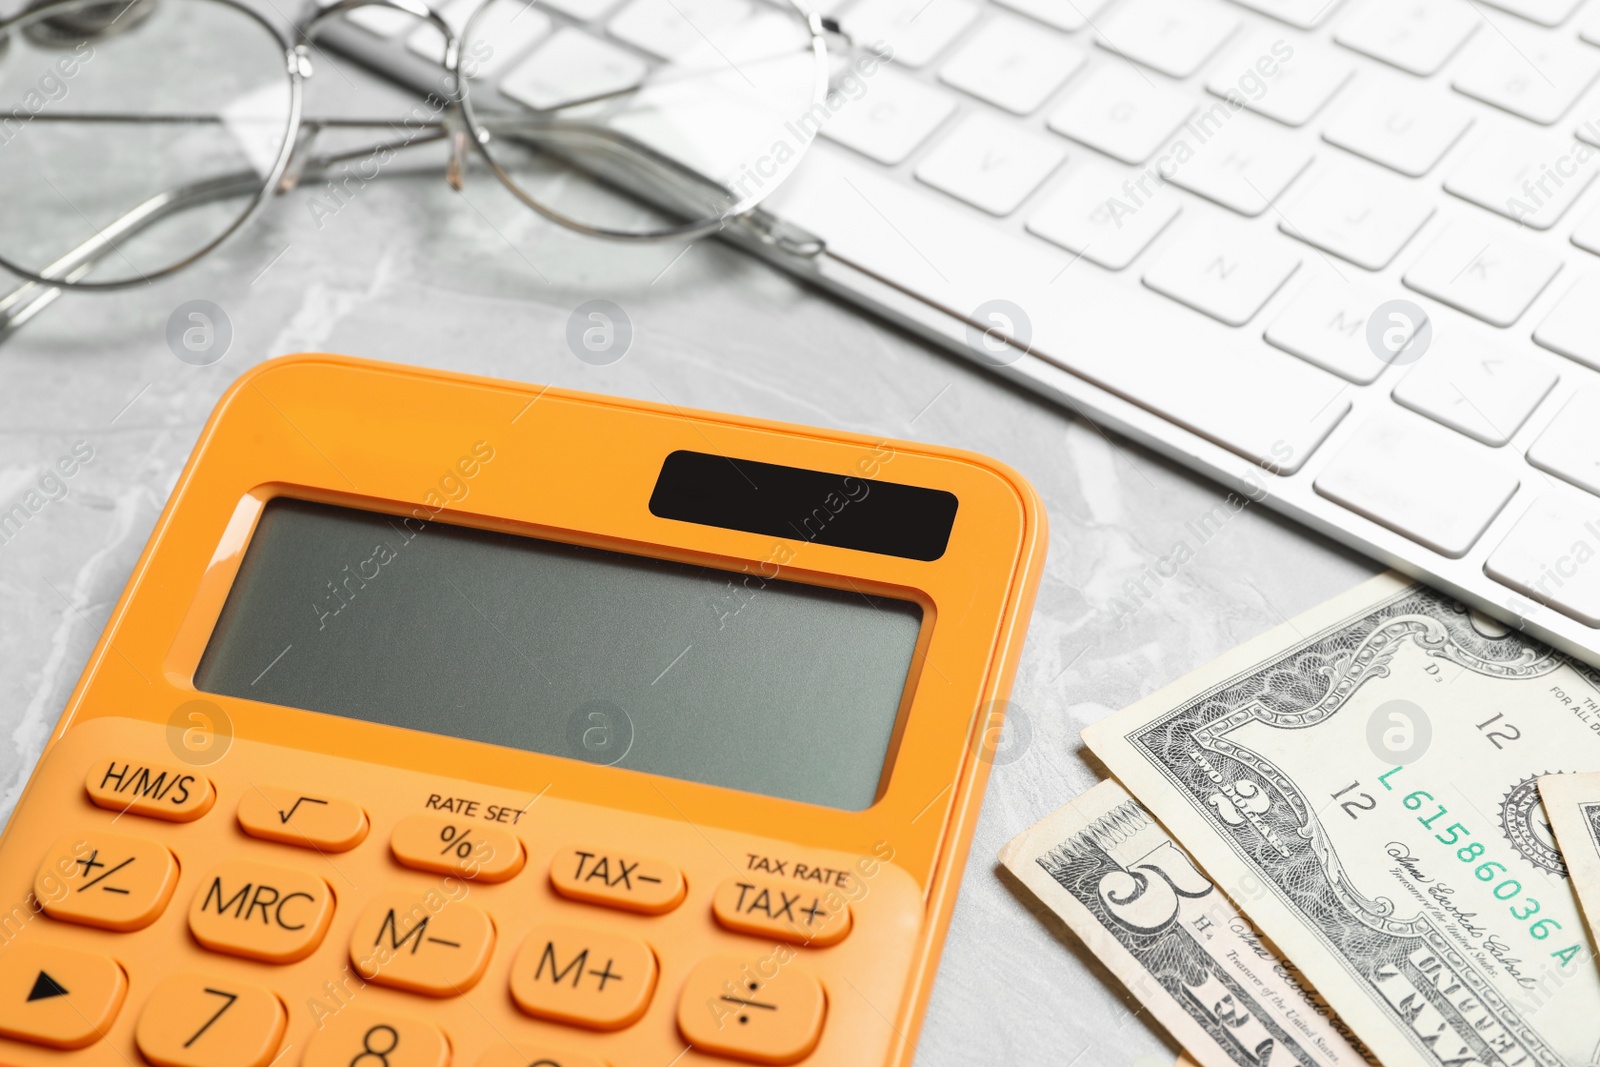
x=409, y=270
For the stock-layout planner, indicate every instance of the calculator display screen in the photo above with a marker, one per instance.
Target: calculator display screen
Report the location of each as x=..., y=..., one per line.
x=740, y=680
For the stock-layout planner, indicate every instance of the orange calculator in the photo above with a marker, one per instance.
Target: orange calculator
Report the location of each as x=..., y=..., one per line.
x=450, y=722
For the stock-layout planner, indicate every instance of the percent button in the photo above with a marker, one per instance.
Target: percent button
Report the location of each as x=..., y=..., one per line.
x=456, y=846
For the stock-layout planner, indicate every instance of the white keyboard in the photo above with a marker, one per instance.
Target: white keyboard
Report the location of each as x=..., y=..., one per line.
x=1197, y=205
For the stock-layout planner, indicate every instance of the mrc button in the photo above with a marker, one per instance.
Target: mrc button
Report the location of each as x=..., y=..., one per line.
x=176, y=794
x=261, y=912
x=772, y=908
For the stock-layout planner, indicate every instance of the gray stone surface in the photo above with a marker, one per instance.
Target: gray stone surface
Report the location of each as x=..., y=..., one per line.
x=413, y=272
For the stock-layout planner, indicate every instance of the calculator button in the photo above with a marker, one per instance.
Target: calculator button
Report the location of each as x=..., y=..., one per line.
x=106, y=880
x=291, y=817
x=732, y=1008
x=423, y=943
x=456, y=846
x=541, y=1055
x=58, y=997
x=586, y=977
x=267, y=913
x=632, y=883
x=373, y=1039
x=782, y=910
x=194, y=1021
x=176, y=794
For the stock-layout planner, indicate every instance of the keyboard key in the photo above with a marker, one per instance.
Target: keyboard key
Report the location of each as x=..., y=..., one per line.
x=1529, y=178
x=1245, y=166
x=1119, y=111
x=1536, y=76
x=386, y=22
x=462, y=847
x=106, y=880
x=583, y=977
x=894, y=117
x=1105, y=213
x=1303, y=14
x=672, y=28
x=1233, y=389
x=193, y=1020
x=58, y=997
x=1420, y=480
x=1224, y=270
x=1569, y=447
x=1573, y=328
x=582, y=10
x=917, y=30
x=292, y=817
x=1357, y=213
x=1587, y=234
x=422, y=943
x=159, y=791
x=1403, y=126
x=1065, y=15
x=1544, y=12
x=729, y=1007
x=1256, y=73
x=571, y=66
x=616, y=880
x=1486, y=273
x=1417, y=36
x=352, y=1035
x=1476, y=388
x=1012, y=65
x=1172, y=36
x=1549, y=555
x=782, y=910
x=508, y=27
x=1326, y=324
x=260, y=912
x=992, y=165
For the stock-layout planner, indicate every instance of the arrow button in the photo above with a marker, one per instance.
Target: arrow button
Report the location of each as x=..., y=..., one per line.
x=45, y=987
x=58, y=997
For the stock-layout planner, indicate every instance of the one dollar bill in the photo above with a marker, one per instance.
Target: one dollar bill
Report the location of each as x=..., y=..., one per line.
x=1150, y=915
x=1374, y=765
x=1572, y=804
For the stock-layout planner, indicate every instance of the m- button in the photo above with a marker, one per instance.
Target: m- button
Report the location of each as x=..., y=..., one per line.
x=58, y=997
x=732, y=1007
x=422, y=943
x=273, y=914
x=632, y=883
x=106, y=880
x=573, y=974
x=782, y=910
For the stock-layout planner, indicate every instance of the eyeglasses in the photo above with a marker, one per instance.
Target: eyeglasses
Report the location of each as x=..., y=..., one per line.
x=138, y=135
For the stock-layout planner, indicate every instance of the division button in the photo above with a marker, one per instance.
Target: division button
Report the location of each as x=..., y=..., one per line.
x=423, y=943
x=528, y=1054
x=782, y=910
x=58, y=997
x=632, y=883
x=291, y=817
x=261, y=912
x=583, y=976
x=106, y=880
x=730, y=1007
x=460, y=847
x=176, y=794
x=191, y=1020
x=372, y=1039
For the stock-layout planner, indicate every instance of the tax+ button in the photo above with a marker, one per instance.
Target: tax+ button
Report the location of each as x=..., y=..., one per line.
x=782, y=910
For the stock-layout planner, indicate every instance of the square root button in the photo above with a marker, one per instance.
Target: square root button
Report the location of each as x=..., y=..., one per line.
x=733, y=1006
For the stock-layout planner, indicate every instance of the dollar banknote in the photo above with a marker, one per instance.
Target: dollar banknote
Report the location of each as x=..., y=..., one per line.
x=1373, y=767
x=1179, y=944
x=1572, y=804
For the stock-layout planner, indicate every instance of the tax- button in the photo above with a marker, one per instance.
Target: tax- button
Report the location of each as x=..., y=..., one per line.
x=176, y=794
x=782, y=910
x=424, y=943
x=58, y=997
x=261, y=912
x=357, y=1038
x=106, y=880
x=632, y=883
x=456, y=846
x=291, y=817
x=732, y=1006
x=192, y=1020
x=586, y=977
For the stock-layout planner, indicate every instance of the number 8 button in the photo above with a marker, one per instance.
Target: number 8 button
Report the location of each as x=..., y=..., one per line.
x=356, y=1038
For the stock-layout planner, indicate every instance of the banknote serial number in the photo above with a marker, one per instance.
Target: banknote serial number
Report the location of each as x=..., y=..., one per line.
x=1524, y=909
